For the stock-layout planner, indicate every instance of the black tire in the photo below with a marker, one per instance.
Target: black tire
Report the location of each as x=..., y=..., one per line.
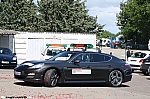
x=132, y=70
x=50, y=78
x=115, y=78
x=147, y=73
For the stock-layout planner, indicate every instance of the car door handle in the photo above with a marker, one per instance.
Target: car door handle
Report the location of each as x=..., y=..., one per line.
x=109, y=66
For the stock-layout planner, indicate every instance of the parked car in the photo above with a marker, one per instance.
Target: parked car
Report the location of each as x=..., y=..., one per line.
x=137, y=58
x=7, y=58
x=79, y=67
x=145, y=66
x=105, y=42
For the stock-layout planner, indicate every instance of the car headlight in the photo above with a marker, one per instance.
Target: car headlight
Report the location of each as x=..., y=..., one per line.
x=14, y=58
x=28, y=64
x=36, y=66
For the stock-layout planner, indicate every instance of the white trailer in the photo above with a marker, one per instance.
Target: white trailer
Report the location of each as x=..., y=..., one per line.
x=30, y=45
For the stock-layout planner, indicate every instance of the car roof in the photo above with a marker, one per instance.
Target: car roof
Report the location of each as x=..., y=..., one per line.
x=88, y=52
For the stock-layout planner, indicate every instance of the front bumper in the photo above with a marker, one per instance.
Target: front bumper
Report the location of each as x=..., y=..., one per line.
x=9, y=64
x=29, y=75
x=144, y=68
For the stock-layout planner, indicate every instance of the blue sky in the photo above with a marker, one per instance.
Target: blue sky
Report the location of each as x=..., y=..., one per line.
x=106, y=11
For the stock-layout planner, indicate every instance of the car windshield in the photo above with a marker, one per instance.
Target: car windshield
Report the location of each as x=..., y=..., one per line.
x=5, y=51
x=138, y=55
x=63, y=56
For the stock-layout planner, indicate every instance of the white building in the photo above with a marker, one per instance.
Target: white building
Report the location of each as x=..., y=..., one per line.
x=29, y=45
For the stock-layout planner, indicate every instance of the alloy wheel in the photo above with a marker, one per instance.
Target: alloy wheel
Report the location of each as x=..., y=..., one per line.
x=115, y=78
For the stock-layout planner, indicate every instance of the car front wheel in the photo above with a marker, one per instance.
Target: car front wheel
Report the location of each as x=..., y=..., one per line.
x=115, y=78
x=50, y=78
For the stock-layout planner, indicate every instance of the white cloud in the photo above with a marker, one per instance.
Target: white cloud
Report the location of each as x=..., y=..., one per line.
x=106, y=11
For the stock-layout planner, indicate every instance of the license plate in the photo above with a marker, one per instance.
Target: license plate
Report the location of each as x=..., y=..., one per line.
x=5, y=62
x=81, y=71
x=17, y=73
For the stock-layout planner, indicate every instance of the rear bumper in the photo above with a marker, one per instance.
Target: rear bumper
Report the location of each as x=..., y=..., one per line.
x=144, y=70
x=135, y=67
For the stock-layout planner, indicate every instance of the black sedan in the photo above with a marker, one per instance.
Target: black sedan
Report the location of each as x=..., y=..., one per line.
x=75, y=67
x=145, y=66
x=7, y=58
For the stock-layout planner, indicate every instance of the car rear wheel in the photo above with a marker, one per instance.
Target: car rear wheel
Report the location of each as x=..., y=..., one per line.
x=115, y=78
x=50, y=78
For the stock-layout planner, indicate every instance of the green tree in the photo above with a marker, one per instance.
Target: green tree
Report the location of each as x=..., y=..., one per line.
x=66, y=16
x=18, y=15
x=106, y=34
x=133, y=19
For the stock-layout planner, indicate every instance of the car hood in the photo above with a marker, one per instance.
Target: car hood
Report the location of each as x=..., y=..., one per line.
x=25, y=65
x=5, y=57
x=42, y=61
x=34, y=61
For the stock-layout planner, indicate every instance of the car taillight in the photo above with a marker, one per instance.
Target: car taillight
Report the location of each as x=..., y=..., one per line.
x=127, y=65
x=141, y=61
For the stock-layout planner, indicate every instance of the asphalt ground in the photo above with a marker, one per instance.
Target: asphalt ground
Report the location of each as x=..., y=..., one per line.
x=137, y=88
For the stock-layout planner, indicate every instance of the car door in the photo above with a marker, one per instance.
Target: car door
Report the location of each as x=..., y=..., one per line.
x=100, y=66
x=79, y=71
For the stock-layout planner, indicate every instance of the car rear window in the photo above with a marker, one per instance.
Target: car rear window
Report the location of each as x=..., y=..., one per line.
x=148, y=57
x=138, y=55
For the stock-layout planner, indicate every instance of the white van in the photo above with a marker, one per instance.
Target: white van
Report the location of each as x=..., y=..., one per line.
x=104, y=42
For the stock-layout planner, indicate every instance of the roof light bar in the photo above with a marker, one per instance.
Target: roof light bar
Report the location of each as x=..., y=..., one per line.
x=82, y=45
x=58, y=45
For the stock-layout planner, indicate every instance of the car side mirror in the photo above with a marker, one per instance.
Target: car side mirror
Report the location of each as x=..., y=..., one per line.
x=14, y=54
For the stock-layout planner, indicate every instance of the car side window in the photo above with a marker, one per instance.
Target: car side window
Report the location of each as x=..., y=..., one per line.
x=107, y=58
x=97, y=58
x=49, y=52
x=84, y=57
